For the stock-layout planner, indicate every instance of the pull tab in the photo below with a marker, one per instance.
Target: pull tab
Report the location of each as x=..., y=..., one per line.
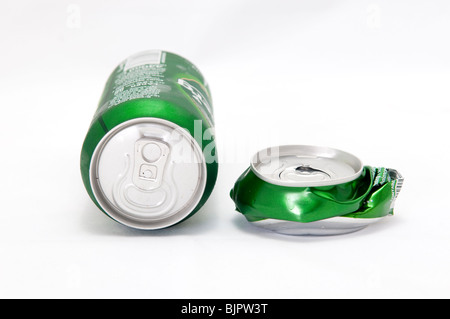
x=150, y=157
x=308, y=170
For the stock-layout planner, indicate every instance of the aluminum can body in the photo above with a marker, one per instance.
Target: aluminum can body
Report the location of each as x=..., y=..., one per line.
x=310, y=190
x=149, y=158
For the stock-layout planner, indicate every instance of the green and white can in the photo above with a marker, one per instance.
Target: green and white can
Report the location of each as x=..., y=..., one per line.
x=313, y=190
x=149, y=159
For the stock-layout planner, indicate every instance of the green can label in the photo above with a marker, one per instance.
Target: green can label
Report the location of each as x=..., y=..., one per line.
x=154, y=104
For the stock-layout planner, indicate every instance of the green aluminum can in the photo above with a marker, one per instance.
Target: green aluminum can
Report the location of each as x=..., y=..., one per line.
x=312, y=190
x=149, y=159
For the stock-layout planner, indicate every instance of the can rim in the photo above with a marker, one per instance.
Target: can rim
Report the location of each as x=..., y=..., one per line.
x=323, y=151
x=336, y=225
x=136, y=223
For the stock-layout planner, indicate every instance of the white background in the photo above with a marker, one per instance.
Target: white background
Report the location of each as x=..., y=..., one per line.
x=368, y=77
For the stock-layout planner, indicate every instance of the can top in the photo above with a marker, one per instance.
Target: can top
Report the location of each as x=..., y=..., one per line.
x=305, y=166
x=148, y=173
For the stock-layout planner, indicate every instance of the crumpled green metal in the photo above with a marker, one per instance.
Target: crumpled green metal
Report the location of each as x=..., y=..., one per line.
x=369, y=196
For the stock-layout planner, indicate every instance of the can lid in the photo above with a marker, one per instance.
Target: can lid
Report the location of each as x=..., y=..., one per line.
x=305, y=166
x=148, y=173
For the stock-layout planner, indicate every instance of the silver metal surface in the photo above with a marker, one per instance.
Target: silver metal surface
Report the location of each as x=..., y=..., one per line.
x=330, y=226
x=150, y=158
x=305, y=166
x=148, y=173
x=395, y=175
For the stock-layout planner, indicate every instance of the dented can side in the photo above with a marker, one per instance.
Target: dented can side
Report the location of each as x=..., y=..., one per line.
x=305, y=190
